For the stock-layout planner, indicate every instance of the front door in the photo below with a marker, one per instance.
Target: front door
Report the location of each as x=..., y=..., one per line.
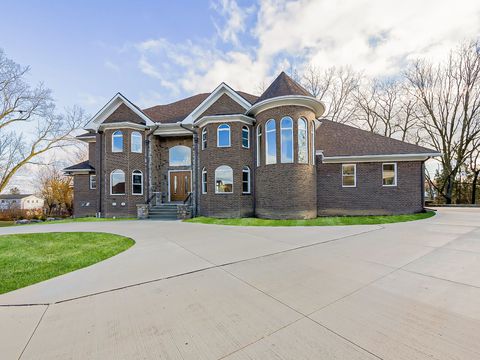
x=180, y=184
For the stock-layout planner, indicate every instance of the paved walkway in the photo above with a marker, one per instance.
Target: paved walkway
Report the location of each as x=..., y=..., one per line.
x=190, y=291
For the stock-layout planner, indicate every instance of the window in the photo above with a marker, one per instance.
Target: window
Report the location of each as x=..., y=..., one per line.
x=117, y=141
x=223, y=179
x=204, y=181
x=286, y=140
x=302, y=141
x=204, y=138
x=312, y=128
x=117, y=182
x=93, y=182
x=245, y=137
x=180, y=155
x=349, y=175
x=259, y=145
x=271, y=142
x=136, y=145
x=246, y=180
x=389, y=174
x=137, y=183
x=223, y=135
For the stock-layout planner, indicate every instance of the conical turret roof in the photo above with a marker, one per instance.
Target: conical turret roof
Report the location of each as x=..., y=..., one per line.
x=283, y=85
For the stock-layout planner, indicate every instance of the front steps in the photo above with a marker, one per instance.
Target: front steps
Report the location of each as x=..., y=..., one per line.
x=163, y=212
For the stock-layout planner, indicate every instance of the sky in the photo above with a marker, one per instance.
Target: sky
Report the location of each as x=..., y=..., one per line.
x=157, y=52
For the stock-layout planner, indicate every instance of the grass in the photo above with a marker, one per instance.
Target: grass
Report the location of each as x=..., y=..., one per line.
x=68, y=220
x=26, y=259
x=6, y=223
x=319, y=221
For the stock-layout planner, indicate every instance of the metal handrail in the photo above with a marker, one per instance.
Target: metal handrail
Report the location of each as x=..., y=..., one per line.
x=189, y=196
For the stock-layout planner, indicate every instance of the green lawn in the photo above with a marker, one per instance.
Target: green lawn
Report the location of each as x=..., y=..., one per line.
x=319, y=221
x=68, y=220
x=26, y=259
x=6, y=223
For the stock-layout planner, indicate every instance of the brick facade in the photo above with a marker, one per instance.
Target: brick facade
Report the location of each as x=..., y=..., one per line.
x=85, y=199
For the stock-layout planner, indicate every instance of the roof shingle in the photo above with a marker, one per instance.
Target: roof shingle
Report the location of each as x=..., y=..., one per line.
x=281, y=86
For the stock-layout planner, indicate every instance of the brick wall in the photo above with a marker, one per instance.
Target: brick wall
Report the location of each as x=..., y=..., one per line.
x=369, y=197
x=223, y=106
x=84, y=200
x=124, y=114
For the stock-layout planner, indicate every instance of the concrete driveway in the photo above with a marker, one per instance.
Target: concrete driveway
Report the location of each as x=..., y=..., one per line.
x=188, y=291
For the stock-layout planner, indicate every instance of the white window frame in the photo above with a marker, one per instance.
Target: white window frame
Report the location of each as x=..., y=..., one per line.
x=204, y=181
x=204, y=138
x=394, y=171
x=179, y=147
x=136, y=134
x=248, y=137
x=259, y=144
x=111, y=181
x=226, y=127
x=354, y=175
x=305, y=149
x=225, y=192
x=90, y=182
x=117, y=134
x=137, y=172
x=282, y=144
x=313, y=145
x=247, y=170
x=274, y=161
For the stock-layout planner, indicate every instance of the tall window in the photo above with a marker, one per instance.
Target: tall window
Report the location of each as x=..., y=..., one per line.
x=223, y=135
x=93, y=182
x=223, y=180
x=246, y=180
x=117, y=141
x=312, y=129
x=245, y=137
x=302, y=141
x=117, y=182
x=180, y=155
x=271, y=142
x=349, y=175
x=259, y=145
x=204, y=138
x=204, y=181
x=389, y=174
x=286, y=139
x=137, y=182
x=136, y=142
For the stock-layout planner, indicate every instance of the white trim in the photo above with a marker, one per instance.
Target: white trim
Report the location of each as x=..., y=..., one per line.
x=229, y=136
x=90, y=182
x=122, y=125
x=141, y=142
x=306, y=148
x=395, y=174
x=300, y=100
x=108, y=109
x=215, y=180
x=125, y=181
x=173, y=129
x=259, y=143
x=212, y=98
x=179, y=146
x=282, y=160
x=142, y=183
x=376, y=158
x=87, y=139
x=266, y=141
x=204, y=140
x=170, y=171
x=120, y=135
x=249, y=171
x=248, y=137
x=225, y=119
x=204, y=190
x=78, y=171
x=354, y=176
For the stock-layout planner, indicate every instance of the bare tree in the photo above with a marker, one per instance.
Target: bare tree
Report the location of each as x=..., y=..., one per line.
x=336, y=87
x=29, y=122
x=449, y=99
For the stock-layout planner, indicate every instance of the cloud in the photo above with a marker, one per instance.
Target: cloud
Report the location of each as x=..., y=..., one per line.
x=111, y=66
x=91, y=100
x=376, y=37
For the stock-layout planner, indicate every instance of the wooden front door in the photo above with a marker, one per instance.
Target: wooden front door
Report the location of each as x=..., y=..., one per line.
x=180, y=185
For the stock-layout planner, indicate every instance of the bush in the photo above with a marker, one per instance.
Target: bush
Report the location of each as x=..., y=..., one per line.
x=17, y=214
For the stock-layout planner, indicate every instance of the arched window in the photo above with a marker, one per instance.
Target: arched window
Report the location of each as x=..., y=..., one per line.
x=259, y=145
x=270, y=142
x=137, y=182
x=312, y=129
x=286, y=140
x=223, y=135
x=180, y=155
x=245, y=137
x=204, y=181
x=223, y=180
x=302, y=141
x=117, y=182
x=204, y=138
x=117, y=141
x=136, y=142
x=246, y=180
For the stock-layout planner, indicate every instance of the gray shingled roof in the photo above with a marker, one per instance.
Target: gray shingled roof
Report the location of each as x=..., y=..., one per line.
x=13, y=196
x=84, y=165
x=281, y=86
x=337, y=139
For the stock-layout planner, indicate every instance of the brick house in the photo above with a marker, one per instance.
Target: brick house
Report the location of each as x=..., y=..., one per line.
x=231, y=154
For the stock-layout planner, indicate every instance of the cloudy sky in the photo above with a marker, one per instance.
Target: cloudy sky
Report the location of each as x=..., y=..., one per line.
x=158, y=51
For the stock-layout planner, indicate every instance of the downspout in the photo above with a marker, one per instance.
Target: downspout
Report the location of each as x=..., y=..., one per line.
x=148, y=161
x=99, y=176
x=422, y=177
x=195, y=165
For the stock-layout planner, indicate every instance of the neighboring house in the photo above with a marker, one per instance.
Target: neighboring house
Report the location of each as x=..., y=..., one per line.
x=20, y=202
x=240, y=155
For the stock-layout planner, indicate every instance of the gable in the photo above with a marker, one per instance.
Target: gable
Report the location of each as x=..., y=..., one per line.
x=225, y=105
x=124, y=114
